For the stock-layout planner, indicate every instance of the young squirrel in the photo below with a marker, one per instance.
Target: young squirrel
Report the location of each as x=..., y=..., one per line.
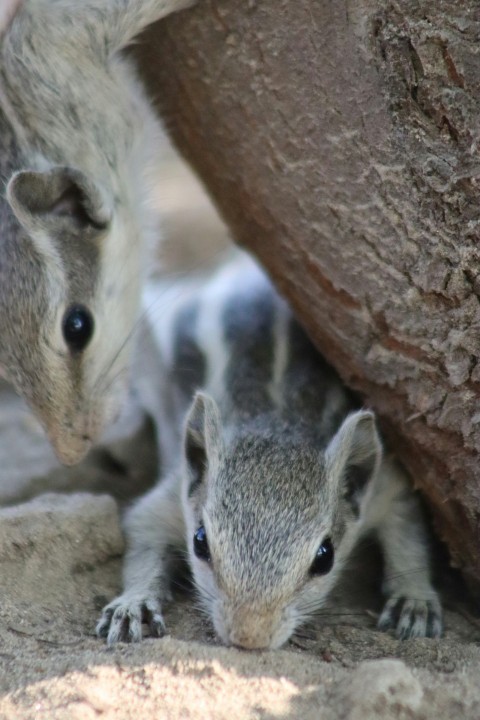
x=271, y=476
x=79, y=148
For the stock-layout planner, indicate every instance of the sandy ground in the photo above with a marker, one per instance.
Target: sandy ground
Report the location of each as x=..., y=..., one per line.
x=60, y=561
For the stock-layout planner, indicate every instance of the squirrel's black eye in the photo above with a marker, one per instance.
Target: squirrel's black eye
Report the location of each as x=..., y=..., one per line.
x=323, y=559
x=200, y=544
x=77, y=327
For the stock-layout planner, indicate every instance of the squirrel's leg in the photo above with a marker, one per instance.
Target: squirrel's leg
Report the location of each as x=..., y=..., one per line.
x=413, y=607
x=153, y=526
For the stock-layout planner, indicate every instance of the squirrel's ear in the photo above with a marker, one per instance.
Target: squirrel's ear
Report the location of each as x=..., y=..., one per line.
x=8, y=9
x=353, y=455
x=203, y=439
x=59, y=200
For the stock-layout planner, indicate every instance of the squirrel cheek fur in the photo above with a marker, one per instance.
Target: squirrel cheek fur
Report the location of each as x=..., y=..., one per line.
x=80, y=148
x=271, y=478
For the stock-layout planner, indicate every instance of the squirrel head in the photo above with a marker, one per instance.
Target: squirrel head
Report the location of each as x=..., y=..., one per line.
x=270, y=519
x=68, y=302
x=75, y=209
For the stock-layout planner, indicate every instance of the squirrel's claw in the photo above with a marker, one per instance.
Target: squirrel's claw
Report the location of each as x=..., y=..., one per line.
x=412, y=618
x=122, y=619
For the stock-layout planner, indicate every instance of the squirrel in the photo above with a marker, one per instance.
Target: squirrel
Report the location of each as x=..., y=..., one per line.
x=79, y=149
x=271, y=474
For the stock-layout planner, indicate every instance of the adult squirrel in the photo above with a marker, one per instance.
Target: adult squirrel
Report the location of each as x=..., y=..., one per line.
x=79, y=149
x=271, y=475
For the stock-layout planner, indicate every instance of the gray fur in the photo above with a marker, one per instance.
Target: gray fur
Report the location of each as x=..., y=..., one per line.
x=274, y=459
x=79, y=149
x=188, y=368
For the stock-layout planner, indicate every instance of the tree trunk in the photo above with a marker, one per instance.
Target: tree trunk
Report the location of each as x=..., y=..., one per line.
x=340, y=142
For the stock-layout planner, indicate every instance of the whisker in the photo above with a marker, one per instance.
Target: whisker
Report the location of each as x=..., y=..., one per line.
x=338, y=614
x=304, y=635
x=167, y=286
x=182, y=553
x=203, y=610
x=204, y=596
x=113, y=380
x=203, y=592
x=411, y=571
x=312, y=608
x=183, y=585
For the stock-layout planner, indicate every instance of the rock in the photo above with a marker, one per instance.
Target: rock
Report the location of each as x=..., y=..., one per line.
x=54, y=536
x=383, y=689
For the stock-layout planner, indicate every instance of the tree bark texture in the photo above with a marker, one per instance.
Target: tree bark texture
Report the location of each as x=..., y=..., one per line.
x=340, y=141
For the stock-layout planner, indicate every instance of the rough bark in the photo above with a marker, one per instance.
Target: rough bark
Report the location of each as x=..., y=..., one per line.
x=340, y=142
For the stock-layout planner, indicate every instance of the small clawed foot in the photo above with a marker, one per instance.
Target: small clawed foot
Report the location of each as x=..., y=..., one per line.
x=122, y=619
x=412, y=618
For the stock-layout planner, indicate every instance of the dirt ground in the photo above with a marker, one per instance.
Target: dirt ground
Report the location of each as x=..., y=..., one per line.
x=60, y=562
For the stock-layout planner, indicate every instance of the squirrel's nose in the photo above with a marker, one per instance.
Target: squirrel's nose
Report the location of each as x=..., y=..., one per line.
x=246, y=642
x=252, y=631
x=70, y=450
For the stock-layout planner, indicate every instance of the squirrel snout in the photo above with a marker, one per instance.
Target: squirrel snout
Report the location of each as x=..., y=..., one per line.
x=73, y=433
x=71, y=444
x=71, y=451
x=243, y=641
x=251, y=630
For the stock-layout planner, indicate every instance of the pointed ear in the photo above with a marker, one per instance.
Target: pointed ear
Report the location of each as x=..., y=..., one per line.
x=58, y=200
x=8, y=9
x=353, y=456
x=203, y=439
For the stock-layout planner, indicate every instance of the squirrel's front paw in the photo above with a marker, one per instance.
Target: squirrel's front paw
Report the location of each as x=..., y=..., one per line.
x=412, y=618
x=122, y=619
